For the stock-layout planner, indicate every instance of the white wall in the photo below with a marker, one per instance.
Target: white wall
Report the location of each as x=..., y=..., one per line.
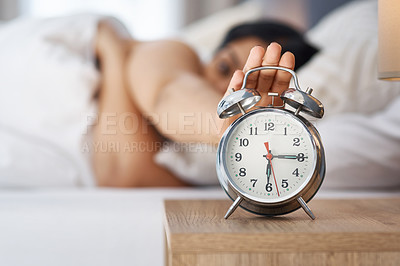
x=9, y=9
x=146, y=19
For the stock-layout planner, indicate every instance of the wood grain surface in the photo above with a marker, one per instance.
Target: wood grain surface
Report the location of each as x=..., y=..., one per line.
x=357, y=230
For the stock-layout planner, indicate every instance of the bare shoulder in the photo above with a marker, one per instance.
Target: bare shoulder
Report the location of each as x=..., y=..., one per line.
x=173, y=46
x=156, y=65
x=171, y=54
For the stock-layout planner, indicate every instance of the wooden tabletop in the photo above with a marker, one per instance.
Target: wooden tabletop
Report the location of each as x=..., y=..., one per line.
x=360, y=225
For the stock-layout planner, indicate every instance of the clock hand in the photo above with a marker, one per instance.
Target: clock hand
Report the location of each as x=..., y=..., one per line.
x=285, y=156
x=269, y=158
x=268, y=170
x=269, y=155
x=276, y=185
x=288, y=157
x=266, y=144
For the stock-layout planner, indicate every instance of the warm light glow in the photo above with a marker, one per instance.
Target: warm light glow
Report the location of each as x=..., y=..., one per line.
x=389, y=39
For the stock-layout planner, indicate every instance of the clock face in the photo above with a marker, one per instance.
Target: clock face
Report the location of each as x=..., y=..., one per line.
x=270, y=156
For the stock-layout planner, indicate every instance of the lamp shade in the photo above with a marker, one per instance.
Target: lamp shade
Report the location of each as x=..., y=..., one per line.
x=389, y=39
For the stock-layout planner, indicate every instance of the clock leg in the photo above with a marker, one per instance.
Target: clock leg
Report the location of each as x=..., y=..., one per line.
x=233, y=207
x=306, y=208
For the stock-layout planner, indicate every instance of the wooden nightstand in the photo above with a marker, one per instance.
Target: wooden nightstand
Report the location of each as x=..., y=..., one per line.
x=346, y=232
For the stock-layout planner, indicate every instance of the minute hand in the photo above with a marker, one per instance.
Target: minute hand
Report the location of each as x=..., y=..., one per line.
x=287, y=157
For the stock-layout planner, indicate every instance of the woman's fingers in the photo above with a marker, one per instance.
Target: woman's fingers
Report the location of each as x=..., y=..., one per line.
x=271, y=58
x=254, y=60
x=236, y=82
x=266, y=80
x=282, y=78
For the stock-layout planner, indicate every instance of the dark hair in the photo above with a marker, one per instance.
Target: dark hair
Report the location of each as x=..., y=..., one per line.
x=268, y=31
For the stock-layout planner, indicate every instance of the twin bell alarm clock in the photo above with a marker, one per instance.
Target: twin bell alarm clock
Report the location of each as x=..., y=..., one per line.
x=270, y=160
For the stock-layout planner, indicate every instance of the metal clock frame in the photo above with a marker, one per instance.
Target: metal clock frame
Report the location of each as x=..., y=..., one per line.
x=246, y=201
x=243, y=99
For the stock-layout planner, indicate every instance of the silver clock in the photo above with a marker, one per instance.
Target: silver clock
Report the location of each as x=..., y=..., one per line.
x=270, y=161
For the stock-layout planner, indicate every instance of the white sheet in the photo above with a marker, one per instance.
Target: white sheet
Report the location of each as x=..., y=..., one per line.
x=47, y=80
x=344, y=73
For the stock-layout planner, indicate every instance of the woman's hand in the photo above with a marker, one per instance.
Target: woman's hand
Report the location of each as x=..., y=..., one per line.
x=264, y=81
x=112, y=42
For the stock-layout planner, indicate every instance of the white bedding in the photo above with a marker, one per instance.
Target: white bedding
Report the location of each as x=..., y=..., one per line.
x=47, y=80
x=344, y=73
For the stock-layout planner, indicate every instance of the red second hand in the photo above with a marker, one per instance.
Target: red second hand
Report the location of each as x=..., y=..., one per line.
x=266, y=146
x=276, y=185
x=269, y=157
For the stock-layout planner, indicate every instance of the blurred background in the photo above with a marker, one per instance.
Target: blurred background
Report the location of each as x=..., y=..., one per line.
x=154, y=19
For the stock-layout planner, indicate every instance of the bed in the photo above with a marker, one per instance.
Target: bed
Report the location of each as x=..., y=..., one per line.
x=51, y=216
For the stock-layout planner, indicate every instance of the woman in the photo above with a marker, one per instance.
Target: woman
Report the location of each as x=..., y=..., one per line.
x=162, y=80
x=49, y=78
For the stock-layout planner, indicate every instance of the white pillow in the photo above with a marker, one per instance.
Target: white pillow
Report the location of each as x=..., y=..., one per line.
x=28, y=161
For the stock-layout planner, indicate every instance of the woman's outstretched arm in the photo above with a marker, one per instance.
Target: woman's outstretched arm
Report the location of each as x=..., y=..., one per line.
x=167, y=83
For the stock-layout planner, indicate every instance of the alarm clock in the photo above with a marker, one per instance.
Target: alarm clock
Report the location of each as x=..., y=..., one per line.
x=270, y=160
